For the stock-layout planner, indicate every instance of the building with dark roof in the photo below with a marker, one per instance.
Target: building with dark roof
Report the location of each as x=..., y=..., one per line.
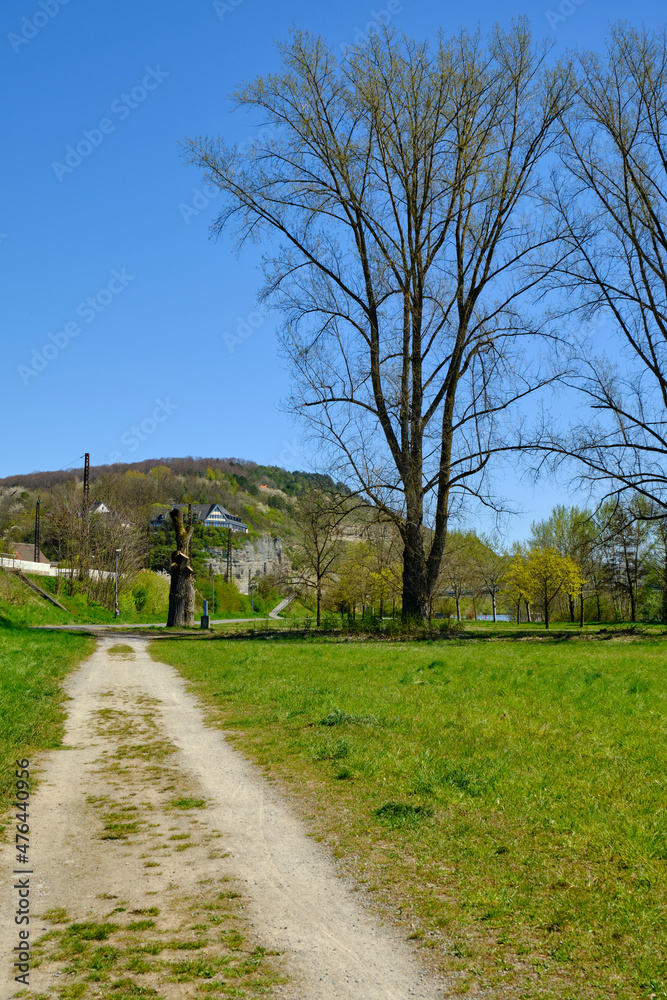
x=211, y=515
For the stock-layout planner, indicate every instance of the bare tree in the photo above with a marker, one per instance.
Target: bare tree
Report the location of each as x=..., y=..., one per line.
x=402, y=190
x=612, y=200
x=626, y=543
x=182, y=590
x=87, y=540
x=321, y=515
x=458, y=577
x=491, y=564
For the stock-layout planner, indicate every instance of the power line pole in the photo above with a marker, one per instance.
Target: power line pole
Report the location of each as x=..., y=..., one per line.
x=85, y=520
x=228, y=574
x=37, y=529
x=86, y=480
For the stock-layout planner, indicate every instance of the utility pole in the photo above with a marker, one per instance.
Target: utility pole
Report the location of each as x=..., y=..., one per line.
x=228, y=574
x=37, y=530
x=86, y=480
x=85, y=520
x=115, y=597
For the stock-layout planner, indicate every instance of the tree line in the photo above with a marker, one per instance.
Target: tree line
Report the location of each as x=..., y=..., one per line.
x=577, y=565
x=442, y=222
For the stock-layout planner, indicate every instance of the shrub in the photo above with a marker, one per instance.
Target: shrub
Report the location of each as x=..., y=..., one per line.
x=149, y=593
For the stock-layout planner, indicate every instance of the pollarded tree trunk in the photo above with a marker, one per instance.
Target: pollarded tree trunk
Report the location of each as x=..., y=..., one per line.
x=182, y=590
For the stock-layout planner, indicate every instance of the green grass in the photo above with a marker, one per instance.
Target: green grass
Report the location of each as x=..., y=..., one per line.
x=22, y=606
x=32, y=668
x=25, y=607
x=509, y=796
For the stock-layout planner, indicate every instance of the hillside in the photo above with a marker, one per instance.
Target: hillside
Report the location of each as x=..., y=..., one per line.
x=262, y=496
x=240, y=470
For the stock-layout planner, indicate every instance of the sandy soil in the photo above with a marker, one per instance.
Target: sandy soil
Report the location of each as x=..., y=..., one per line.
x=183, y=869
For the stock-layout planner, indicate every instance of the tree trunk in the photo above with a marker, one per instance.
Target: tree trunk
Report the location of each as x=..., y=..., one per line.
x=518, y=611
x=631, y=589
x=415, y=574
x=528, y=615
x=664, y=588
x=570, y=601
x=458, y=608
x=581, y=609
x=319, y=602
x=493, y=602
x=182, y=590
x=597, y=598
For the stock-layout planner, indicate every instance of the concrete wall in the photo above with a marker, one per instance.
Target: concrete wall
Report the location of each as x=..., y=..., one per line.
x=8, y=562
x=44, y=569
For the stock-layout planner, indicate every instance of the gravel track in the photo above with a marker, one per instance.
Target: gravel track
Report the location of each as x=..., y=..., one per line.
x=289, y=895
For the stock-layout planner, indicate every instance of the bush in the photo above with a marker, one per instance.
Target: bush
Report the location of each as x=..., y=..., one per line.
x=149, y=593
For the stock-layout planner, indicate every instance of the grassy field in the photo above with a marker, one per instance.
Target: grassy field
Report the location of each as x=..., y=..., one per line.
x=32, y=668
x=504, y=801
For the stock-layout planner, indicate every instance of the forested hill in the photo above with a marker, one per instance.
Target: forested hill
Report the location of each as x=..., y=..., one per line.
x=245, y=473
x=264, y=497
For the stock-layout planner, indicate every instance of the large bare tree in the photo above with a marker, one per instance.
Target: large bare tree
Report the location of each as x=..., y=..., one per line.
x=612, y=201
x=320, y=516
x=399, y=190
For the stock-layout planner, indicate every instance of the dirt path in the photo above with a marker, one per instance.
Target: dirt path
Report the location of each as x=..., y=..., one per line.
x=167, y=865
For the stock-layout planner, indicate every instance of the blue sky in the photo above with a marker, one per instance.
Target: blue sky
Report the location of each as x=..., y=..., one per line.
x=115, y=304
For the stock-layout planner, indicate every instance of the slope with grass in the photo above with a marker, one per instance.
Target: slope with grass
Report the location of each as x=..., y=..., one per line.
x=504, y=801
x=32, y=667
